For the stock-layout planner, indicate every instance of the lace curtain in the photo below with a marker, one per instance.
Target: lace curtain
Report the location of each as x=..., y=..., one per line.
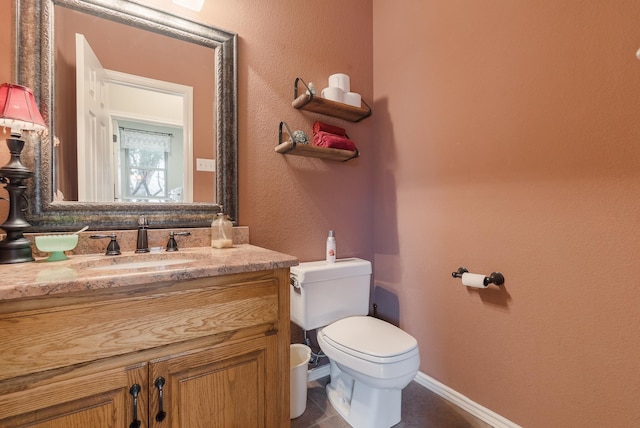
x=145, y=140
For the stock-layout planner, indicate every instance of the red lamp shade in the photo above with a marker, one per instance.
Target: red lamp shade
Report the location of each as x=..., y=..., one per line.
x=18, y=109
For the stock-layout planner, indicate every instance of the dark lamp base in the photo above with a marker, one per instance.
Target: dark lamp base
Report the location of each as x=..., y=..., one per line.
x=18, y=251
x=15, y=248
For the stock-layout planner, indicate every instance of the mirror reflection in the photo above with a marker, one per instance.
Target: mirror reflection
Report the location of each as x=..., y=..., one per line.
x=181, y=147
x=125, y=90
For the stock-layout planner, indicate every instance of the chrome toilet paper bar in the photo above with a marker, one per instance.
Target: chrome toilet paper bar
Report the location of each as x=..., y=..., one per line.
x=476, y=280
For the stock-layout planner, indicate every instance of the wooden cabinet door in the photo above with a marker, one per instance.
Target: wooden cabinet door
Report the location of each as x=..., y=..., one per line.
x=98, y=400
x=218, y=387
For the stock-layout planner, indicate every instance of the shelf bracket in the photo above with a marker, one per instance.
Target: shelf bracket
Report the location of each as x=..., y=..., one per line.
x=293, y=141
x=295, y=89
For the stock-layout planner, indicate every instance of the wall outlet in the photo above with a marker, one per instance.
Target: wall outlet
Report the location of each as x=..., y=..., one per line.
x=205, y=165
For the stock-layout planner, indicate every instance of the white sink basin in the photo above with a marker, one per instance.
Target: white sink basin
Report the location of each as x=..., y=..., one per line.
x=143, y=264
x=148, y=261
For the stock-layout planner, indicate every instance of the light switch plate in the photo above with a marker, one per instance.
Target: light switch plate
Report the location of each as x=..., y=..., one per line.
x=205, y=165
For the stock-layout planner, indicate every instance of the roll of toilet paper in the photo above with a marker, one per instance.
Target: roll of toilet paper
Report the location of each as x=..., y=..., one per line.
x=333, y=94
x=340, y=80
x=353, y=99
x=473, y=280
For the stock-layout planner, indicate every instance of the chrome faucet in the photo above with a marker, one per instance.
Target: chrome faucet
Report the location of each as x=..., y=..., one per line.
x=142, y=246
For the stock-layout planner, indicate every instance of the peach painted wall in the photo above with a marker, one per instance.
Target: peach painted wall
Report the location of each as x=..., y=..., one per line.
x=507, y=137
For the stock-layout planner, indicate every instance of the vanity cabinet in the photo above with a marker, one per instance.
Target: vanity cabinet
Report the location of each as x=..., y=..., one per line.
x=207, y=352
x=99, y=399
x=212, y=388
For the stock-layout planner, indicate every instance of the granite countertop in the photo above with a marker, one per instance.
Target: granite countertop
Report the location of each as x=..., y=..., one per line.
x=89, y=272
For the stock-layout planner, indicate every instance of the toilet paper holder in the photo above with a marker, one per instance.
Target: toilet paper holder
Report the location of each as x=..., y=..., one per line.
x=495, y=278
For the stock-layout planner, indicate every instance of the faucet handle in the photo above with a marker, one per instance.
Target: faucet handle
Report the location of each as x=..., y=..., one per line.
x=172, y=245
x=113, y=249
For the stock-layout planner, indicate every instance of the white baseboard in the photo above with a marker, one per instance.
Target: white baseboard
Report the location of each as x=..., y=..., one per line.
x=470, y=406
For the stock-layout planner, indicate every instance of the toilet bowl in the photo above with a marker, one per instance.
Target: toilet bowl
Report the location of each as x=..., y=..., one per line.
x=371, y=361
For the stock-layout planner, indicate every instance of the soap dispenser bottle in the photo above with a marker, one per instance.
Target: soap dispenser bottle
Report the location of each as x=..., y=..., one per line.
x=331, y=247
x=221, y=231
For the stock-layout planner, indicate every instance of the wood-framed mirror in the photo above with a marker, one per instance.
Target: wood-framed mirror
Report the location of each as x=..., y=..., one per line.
x=36, y=67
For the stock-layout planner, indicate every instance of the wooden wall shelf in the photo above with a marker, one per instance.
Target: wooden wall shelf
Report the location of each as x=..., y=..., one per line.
x=309, y=150
x=316, y=104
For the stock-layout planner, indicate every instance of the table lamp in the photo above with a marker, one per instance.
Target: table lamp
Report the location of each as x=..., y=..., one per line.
x=19, y=112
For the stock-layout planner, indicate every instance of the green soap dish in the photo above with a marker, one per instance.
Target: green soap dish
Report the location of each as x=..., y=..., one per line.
x=56, y=245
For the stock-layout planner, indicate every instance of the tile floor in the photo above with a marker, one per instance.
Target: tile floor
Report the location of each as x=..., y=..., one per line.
x=421, y=408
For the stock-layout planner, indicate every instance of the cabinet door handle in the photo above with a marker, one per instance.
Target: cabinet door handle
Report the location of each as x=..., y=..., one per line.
x=159, y=383
x=135, y=390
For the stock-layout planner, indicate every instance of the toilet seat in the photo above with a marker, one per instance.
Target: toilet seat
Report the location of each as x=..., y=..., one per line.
x=370, y=339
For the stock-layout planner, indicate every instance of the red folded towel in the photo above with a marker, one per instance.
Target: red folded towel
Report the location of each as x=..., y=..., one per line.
x=325, y=127
x=326, y=139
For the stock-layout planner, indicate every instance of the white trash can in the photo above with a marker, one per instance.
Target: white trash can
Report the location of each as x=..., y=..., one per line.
x=300, y=356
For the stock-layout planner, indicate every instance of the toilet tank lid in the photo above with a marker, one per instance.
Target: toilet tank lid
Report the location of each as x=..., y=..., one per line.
x=322, y=271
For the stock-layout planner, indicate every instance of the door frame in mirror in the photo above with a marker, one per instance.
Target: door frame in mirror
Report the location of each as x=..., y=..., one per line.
x=34, y=68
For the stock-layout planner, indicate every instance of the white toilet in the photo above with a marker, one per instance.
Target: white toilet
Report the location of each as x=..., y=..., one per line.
x=371, y=361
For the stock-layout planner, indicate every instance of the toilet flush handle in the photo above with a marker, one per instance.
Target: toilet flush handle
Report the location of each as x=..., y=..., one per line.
x=293, y=281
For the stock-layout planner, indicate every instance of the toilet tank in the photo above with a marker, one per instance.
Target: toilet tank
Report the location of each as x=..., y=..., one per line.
x=322, y=292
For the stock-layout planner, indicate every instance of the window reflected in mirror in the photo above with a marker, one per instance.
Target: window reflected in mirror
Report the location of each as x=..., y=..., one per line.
x=149, y=166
